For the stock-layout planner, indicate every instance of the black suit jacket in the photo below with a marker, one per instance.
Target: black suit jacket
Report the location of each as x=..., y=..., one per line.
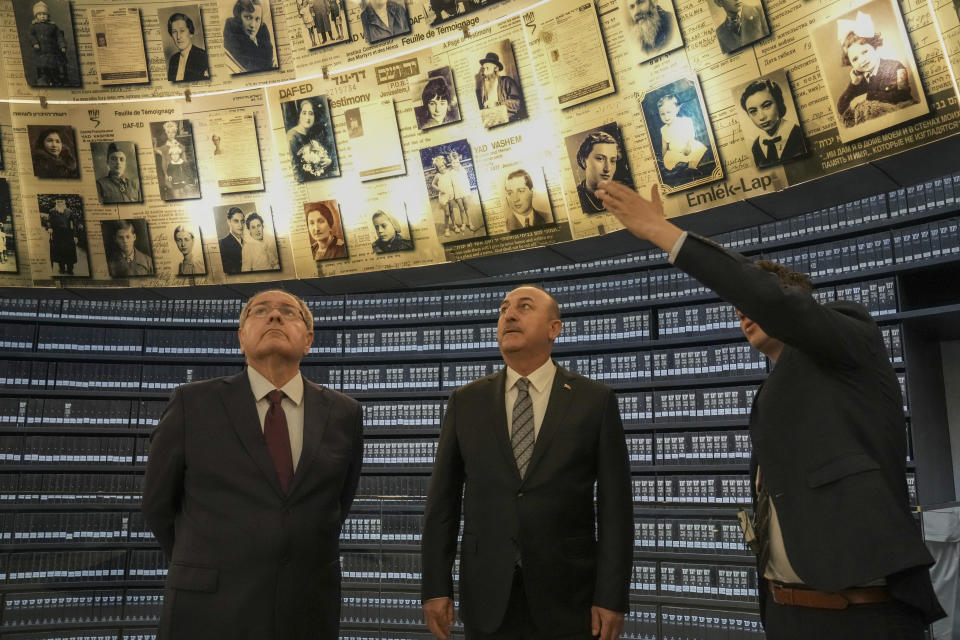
x=246, y=561
x=828, y=431
x=571, y=560
x=197, y=67
x=539, y=219
x=231, y=254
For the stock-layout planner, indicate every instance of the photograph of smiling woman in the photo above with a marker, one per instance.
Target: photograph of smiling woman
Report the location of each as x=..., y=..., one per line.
x=248, y=36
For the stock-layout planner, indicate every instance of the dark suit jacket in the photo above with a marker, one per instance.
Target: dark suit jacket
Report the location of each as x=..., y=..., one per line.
x=246, y=561
x=753, y=26
x=231, y=254
x=793, y=148
x=570, y=559
x=197, y=67
x=828, y=431
x=539, y=219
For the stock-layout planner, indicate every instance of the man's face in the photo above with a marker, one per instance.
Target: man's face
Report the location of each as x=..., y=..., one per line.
x=181, y=34
x=519, y=195
x=757, y=337
x=117, y=163
x=601, y=164
x=527, y=325
x=256, y=229
x=60, y=205
x=251, y=21
x=488, y=69
x=125, y=239
x=640, y=9
x=272, y=334
x=763, y=111
x=384, y=229
x=730, y=6
x=184, y=242
x=317, y=226
x=236, y=224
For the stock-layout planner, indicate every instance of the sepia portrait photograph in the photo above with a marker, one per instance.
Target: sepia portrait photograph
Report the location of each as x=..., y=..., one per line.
x=499, y=94
x=47, y=44
x=127, y=246
x=325, y=231
x=117, y=171
x=62, y=216
x=525, y=199
x=451, y=183
x=186, y=238
x=384, y=19
x=391, y=228
x=434, y=98
x=324, y=22
x=313, y=150
x=680, y=134
x=595, y=155
x=248, y=241
x=738, y=23
x=184, y=45
x=53, y=150
x=440, y=11
x=249, y=37
x=651, y=28
x=8, y=237
x=869, y=70
x=769, y=121
x=173, y=152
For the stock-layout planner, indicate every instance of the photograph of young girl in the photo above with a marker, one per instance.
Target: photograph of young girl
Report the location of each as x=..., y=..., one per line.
x=176, y=163
x=248, y=36
x=680, y=135
x=451, y=183
x=768, y=120
x=875, y=86
x=313, y=150
x=53, y=151
x=434, y=98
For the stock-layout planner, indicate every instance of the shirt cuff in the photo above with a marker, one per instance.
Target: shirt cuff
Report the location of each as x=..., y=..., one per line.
x=676, y=247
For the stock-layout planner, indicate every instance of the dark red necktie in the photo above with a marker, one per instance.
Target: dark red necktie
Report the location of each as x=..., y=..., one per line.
x=278, y=439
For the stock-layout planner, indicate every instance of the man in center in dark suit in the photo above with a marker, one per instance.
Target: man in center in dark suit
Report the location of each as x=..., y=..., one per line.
x=248, y=482
x=838, y=553
x=190, y=62
x=525, y=448
x=520, y=214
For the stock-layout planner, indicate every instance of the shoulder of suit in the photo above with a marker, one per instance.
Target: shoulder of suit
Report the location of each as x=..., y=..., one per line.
x=577, y=381
x=209, y=385
x=478, y=384
x=851, y=309
x=330, y=393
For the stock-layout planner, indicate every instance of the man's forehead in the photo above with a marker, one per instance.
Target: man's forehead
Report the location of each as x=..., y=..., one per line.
x=523, y=293
x=273, y=296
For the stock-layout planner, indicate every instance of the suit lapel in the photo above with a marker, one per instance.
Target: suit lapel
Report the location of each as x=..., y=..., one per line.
x=560, y=396
x=496, y=391
x=316, y=410
x=241, y=407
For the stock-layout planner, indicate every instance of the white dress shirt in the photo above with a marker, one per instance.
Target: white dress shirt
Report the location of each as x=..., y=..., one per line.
x=292, y=405
x=541, y=382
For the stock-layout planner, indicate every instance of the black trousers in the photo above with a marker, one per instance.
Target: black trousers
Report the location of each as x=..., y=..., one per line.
x=891, y=620
x=517, y=622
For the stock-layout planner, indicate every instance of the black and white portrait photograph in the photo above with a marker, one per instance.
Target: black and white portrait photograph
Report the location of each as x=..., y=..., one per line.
x=595, y=155
x=248, y=241
x=53, y=150
x=440, y=11
x=324, y=22
x=869, y=70
x=8, y=236
x=680, y=135
x=651, y=28
x=173, y=152
x=434, y=98
x=117, y=171
x=249, y=38
x=384, y=19
x=186, y=238
x=325, y=230
x=526, y=203
x=391, y=230
x=768, y=120
x=127, y=246
x=47, y=44
x=451, y=183
x=738, y=23
x=313, y=150
x=62, y=216
x=499, y=94
x=184, y=44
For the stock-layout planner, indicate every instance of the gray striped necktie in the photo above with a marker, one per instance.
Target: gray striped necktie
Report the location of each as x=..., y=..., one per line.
x=522, y=437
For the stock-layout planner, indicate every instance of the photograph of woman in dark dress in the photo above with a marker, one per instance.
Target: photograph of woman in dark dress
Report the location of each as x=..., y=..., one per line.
x=53, y=152
x=247, y=39
x=313, y=152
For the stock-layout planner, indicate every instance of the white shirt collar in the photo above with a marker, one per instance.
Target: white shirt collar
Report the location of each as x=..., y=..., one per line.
x=540, y=378
x=261, y=386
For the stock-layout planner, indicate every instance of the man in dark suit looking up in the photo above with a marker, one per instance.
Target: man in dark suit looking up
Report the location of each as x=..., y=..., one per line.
x=839, y=554
x=248, y=482
x=525, y=447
